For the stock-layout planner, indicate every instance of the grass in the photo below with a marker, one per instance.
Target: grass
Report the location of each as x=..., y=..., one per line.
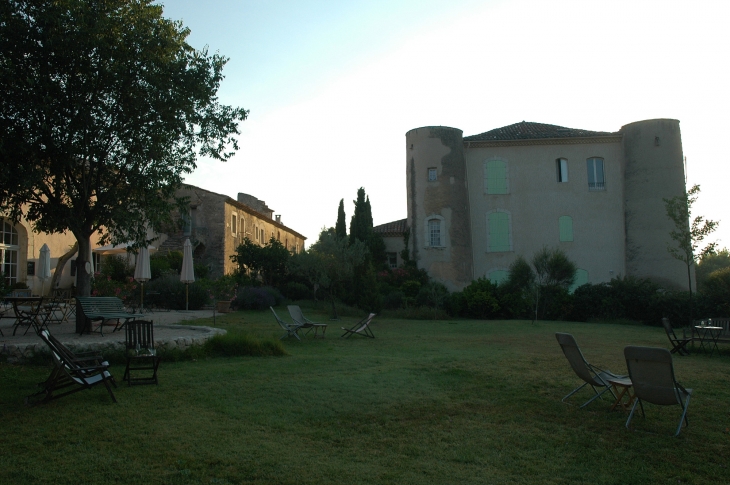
x=450, y=401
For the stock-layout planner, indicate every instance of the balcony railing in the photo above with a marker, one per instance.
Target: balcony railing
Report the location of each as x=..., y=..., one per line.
x=596, y=186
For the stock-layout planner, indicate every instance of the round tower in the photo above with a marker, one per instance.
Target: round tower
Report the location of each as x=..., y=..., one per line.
x=438, y=204
x=653, y=171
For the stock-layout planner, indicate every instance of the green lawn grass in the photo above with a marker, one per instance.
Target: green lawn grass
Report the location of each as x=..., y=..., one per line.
x=426, y=402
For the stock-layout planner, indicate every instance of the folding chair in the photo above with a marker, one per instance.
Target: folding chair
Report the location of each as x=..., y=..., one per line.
x=652, y=374
x=299, y=319
x=360, y=328
x=75, y=371
x=291, y=329
x=590, y=374
x=141, y=353
x=679, y=345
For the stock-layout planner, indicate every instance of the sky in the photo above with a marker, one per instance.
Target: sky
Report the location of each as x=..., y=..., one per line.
x=333, y=87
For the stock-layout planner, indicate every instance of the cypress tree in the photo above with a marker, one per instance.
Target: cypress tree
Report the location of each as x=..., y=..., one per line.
x=359, y=229
x=341, y=227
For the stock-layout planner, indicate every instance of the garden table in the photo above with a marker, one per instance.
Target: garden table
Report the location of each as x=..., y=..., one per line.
x=709, y=335
x=622, y=387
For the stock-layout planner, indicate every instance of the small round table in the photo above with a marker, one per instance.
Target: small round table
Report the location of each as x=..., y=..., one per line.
x=622, y=387
x=710, y=335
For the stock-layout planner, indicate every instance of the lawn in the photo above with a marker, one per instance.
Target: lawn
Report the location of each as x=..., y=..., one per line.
x=426, y=402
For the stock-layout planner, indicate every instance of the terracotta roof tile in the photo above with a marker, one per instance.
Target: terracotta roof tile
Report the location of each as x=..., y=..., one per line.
x=392, y=229
x=527, y=130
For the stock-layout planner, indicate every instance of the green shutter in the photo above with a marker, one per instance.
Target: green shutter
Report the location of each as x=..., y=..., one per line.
x=496, y=177
x=498, y=232
x=566, y=228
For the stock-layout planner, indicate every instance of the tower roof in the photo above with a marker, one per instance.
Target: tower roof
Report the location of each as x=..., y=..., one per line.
x=527, y=130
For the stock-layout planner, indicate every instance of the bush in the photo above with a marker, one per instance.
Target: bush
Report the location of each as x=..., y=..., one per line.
x=126, y=290
x=231, y=345
x=432, y=295
x=168, y=292
x=394, y=299
x=116, y=267
x=297, y=291
x=250, y=298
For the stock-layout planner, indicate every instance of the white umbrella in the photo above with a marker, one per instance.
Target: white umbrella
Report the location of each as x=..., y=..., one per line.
x=187, y=275
x=142, y=271
x=90, y=262
x=44, y=266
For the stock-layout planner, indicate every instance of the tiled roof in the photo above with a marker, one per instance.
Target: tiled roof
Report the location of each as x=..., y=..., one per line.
x=527, y=130
x=392, y=229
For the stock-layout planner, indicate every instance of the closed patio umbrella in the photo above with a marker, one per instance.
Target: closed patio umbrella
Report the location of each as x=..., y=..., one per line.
x=142, y=271
x=44, y=266
x=187, y=275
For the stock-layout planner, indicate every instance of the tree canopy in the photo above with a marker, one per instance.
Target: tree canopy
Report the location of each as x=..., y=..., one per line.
x=341, y=226
x=103, y=108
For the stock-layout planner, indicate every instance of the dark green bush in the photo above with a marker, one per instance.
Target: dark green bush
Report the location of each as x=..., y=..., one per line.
x=116, y=267
x=297, y=291
x=250, y=298
x=231, y=345
x=168, y=292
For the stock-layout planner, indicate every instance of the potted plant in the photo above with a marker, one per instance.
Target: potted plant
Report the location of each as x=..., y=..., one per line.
x=223, y=291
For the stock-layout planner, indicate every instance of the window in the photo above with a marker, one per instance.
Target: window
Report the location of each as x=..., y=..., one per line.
x=561, y=165
x=392, y=260
x=498, y=276
x=596, y=180
x=187, y=223
x=97, y=261
x=498, y=232
x=234, y=224
x=581, y=278
x=565, y=224
x=432, y=174
x=434, y=233
x=9, y=252
x=495, y=177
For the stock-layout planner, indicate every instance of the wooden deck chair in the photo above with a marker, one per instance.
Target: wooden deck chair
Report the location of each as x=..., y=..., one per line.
x=71, y=372
x=304, y=323
x=141, y=352
x=360, y=328
x=679, y=345
x=590, y=374
x=652, y=374
x=291, y=329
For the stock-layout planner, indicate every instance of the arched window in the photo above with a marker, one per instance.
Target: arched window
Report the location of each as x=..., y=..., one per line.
x=9, y=252
x=434, y=233
x=495, y=177
x=499, y=233
x=565, y=224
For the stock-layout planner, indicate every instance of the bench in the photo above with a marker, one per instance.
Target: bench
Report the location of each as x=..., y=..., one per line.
x=105, y=309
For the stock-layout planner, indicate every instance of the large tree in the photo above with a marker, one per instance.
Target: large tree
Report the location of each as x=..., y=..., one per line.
x=103, y=108
x=341, y=226
x=688, y=234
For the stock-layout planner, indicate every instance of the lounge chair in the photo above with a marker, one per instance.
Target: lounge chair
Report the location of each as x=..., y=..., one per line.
x=75, y=371
x=679, y=345
x=360, y=328
x=291, y=329
x=141, y=353
x=652, y=375
x=304, y=323
x=591, y=375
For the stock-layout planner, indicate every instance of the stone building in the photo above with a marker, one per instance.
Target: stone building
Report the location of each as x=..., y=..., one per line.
x=217, y=224
x=476, y=203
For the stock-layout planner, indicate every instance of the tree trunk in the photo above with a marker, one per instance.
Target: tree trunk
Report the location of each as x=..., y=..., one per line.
x=83, y=280
x=689, y=281
x=61, y=264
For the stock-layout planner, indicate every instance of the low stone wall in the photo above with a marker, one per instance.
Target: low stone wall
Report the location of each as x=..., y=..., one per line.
x=170, y=337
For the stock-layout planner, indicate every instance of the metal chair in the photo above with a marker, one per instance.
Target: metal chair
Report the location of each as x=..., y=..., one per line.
x=679, y=345
x=591, y=375
x=141, y=352
x=652, y=374
x=291, y=329
x=304, y=323
x=360, y=328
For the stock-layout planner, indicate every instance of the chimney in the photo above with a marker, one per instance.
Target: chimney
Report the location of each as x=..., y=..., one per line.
x=278, y=218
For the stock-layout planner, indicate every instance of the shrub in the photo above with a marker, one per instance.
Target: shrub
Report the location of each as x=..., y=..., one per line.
x=231, y=345
x=126, y=290
x=432, y=295
x=168, y=292
x=297, y=291
x=394, y=299
x=250, y=298
x=116, y=267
